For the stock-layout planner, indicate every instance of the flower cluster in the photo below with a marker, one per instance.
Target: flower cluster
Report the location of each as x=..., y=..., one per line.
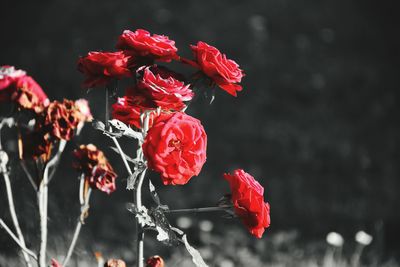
x=57, y=121
x=93, y=164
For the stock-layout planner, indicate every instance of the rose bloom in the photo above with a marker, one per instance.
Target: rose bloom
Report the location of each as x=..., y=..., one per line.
x=128, y=108
x=100, y=68
x=248, y=202
x=94, y=165
x=17, y=87
x=155, y=261
x=175, y=146
x=163, y=89
x=224, y=72
x=144, y=46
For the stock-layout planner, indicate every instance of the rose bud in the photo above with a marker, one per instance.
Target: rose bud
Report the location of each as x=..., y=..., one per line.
x=248, y=202
x=115, y=263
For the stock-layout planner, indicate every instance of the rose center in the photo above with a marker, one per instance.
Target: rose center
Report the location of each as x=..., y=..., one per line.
x=176, y=144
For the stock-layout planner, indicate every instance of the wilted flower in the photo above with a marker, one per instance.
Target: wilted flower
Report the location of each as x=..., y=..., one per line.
x=363, y=238
x=19, y=88
x=94, y=165
x=335, y=239
x=155, y=261
x=34, y=145
x=115, y=263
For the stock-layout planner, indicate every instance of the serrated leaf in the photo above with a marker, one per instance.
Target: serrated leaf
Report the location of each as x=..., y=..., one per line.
x=196, y=257
x=142, y=215
x=126, y=130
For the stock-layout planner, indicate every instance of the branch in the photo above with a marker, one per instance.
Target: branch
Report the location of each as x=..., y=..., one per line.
x=205, y=209
x=13, y=213
x=22, y=246
x=81, y=219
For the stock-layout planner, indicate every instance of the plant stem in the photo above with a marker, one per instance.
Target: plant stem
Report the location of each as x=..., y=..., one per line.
x=28, y=174
x=107, y=115
x=14, y=215
x=81, y=219
x=138, y=194
x=205, y=209
x=43, y=203
x=19, y=243
x=122, y=154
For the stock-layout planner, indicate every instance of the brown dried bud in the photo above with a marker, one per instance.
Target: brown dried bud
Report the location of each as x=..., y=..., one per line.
x=155, y=261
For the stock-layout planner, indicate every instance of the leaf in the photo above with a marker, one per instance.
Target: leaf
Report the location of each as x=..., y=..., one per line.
x=98, y=125
x=126, y=130
x=196, y=257
x=142, y=215
x=154, y=194
x=130, y=185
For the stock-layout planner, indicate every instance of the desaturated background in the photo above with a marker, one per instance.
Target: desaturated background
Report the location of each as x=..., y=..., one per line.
x=316, y=122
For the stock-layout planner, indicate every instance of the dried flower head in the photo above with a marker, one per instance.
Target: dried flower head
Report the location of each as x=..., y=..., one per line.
x=94, y=165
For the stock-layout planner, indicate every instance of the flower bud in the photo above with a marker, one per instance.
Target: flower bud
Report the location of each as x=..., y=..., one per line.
x=363, y=238
x=334, y=239
x=155, y=261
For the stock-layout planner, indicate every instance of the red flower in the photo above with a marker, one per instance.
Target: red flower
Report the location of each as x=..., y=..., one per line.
x=102, y=67
x=155, y=261
x=55, y=263
x=17, y=87
x=128, y=108
x=248, y=202
x=151, y=47
x=224, y=72
x=94, y=165
x=163, y=89
x=175, y=146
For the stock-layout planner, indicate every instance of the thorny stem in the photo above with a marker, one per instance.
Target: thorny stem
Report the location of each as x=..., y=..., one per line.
x=205, y=209
x=81, y=221
x=17, y=241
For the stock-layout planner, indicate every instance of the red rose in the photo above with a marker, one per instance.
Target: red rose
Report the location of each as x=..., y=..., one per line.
x=163, y=89
x=155, y=261
x=224, y=72
x=175, y=146
x=102, y=67
x=17, y=87
x=94, y=165
x=128, y=108
x=248, y=202
x=152, y=47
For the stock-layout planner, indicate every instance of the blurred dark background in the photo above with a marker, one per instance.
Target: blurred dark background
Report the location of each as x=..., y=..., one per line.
x=317, y=122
